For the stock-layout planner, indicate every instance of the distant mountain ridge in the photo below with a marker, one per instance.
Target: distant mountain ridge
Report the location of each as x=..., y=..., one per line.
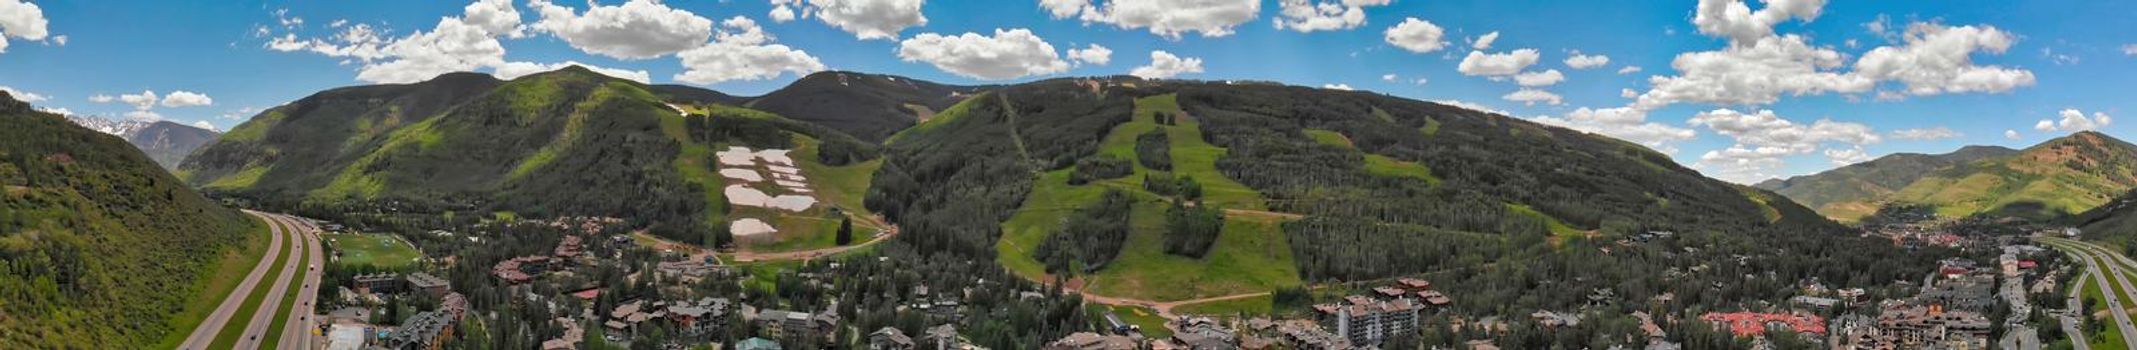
x=166, y=142
x=2056, y=178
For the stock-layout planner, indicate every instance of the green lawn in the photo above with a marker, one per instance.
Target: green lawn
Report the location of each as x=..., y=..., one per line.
x=1255, y=306
x=216, y=285
x=1374, y=163
x=381, y=250
x=1251, y=254
x=1558, y=228
x=234, y=330
x=289, y=303
x=1153, y=325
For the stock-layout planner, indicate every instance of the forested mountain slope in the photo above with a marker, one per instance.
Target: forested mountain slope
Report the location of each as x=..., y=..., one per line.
x=99, y=246
x=568, y=142
x=2052, y=180
x=1851, y=191
x=868, y=106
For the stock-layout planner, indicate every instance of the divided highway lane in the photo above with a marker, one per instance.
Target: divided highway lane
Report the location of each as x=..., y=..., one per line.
x=204, y=334
x=297, y=334
x=2093, y=259
x=262, y=318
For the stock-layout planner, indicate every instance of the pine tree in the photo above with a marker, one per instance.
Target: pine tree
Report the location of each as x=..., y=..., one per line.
x=845, y=231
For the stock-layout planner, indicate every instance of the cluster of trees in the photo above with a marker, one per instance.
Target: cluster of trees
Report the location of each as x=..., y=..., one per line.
x=760, y=130
x=1099, y=167
x=1154, y=150
x=1165, y=184
x=1191, y=230
x=1091, y=237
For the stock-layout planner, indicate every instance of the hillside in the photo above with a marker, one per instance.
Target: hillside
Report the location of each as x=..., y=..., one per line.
x=1315, y=185
x=166, y=142
x=2052, y=180
x=101, y=248
x=564, y=143
x=1849, y=191
x=868, y=106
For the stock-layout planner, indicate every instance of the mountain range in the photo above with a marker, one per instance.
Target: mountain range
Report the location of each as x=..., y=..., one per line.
x=2054, y=179
x=166, y=142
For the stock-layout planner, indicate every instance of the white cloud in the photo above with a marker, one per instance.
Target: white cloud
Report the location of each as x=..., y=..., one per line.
x=1497, y=64
x=1168, y=18
x=1736, y=21
x=24, y=96
x=182, y=98
x=240, y=113
x=514, y=70
x=637, y=29
x=2129, y=49
x=781, y=13
x=1483, y=42
x=1390, y=77
x=1307, y=16
x=1532, y=96
x=102, y=98
x=1628, y=93
x=1472, y=106
x=1579, y=61
x=1421, y=81
x=1537, y=79
x=203, y=124
x=495, y=16
x=1344, y=87
x=1763, y=139
x=1165, y=65
x=1009, y=54
x=2075, y=121
x=742, y=51
x=141, y=101
x=1937, y=59
x=1416, y=35
x=2010, y=134
x=1098, y=55
x=1623, y=123
x=1847, y=156
x=1925, y=134
x=1753, y=73
x=22, y=20
x=143, y=115
x=56, y=110
x=453, y=46
x=866, y=19
x=1628, y=70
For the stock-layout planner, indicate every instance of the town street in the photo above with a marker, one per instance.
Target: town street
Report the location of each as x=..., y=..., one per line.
x=204, y=334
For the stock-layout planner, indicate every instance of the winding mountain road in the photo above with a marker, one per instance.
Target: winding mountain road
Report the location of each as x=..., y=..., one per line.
x=204, y=334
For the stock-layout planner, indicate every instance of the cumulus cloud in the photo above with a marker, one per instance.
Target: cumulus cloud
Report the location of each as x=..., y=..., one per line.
x=1847, y=156
x=1306, y=16
x=1390, y=77
x=1168, y=18
x=1937, y=59
x=24, y=96
x=742, y=51
x=141, y=101
x=1533, y=96
x=1628, y=70
x=2010, y=134
x=637, y=29
x=495, y=16
x=1538, y=79
x=1416, y=35
x=1753, y=73
x=866, y=19
x=182, y=98
x=102, y=98
x=203, y=124
x=146, y=116
x=455, y=44
x=1344, y=87
x=1763, y=138
x=781, y=13
x=2074, y=121
x=1095, y=54
x=514, y=70
x=1735, y=20
x=1925, y=134
x=1479, y=63
x=1009, y=54
x=1579, y=61
x=1165, y=65
x=1483, y=42
x=21, y=20
x=1623, y=123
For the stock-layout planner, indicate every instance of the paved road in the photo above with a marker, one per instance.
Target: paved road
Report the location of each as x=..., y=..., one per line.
x=2070, y=317
x=264, y=317
x=297, y=334
x=204, y=334
x=2093, y=259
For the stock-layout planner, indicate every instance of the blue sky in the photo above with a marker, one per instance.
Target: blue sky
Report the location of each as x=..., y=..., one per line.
x=1840, y=82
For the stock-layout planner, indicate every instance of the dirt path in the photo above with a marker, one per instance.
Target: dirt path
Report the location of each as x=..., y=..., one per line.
x=204, y=334
x=749, y=256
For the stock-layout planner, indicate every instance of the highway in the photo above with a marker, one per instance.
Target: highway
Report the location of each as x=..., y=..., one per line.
x=2070, y=317
x=204, y=334
x=297, y=334
x=2093, y=257
x=264, y=316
